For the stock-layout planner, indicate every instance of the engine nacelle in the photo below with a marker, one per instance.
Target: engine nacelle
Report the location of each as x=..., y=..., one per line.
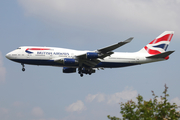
x=69, y=70
x=69, y=61
x=91, y=55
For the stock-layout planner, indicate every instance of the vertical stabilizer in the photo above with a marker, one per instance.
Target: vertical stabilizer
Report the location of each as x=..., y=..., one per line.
x=158, y=45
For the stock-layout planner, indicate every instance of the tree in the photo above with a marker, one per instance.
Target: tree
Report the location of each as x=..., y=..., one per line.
x=149, y=110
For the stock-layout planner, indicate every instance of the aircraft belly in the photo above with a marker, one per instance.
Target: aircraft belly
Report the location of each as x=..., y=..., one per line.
x=114, y=64
x=40, y=62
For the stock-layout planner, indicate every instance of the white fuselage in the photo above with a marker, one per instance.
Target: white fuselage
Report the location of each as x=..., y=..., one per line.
x=42, y=56
x=88, y=61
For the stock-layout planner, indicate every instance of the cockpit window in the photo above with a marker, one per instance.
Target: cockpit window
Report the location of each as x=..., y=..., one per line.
x=18, y=48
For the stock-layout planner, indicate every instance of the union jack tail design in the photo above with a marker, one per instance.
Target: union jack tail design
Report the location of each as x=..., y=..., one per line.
x=158, y=45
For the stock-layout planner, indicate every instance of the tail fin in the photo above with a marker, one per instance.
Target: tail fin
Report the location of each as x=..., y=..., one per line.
x=158, y=45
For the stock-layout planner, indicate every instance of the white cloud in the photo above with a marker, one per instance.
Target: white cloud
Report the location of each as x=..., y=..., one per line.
x=99, y=97
x=76, y=107
x=52, y=119
x=90, y=97
x=4, y=111
x=37, y=112
x=19, y=114
x=17, y=104
x=178, y=1
x=107, y=14
x=126, y=94
x=118, y=97
x=176, y=100
x=46, y=119
x=2, y=70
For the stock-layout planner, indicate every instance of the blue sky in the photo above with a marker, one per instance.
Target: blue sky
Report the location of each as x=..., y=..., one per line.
x=45, y=93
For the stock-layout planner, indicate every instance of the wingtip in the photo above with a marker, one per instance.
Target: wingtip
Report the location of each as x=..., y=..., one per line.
x=129, y=39
x=173, y=51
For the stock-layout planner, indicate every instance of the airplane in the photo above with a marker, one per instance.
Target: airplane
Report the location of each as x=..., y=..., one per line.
x=87, y=62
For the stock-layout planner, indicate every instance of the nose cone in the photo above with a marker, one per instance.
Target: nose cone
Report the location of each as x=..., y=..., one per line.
x=7, y=56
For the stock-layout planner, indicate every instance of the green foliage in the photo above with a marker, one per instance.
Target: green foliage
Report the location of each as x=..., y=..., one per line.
x=149, y=110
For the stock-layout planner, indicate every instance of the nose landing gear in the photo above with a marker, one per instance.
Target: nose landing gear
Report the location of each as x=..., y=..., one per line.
x=81, y=75
x=23, y=69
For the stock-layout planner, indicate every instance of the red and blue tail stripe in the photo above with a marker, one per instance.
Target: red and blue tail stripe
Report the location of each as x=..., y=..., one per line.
x=159, y=44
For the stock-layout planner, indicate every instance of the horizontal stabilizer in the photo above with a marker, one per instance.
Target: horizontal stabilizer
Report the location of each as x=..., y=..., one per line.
x=161, y=55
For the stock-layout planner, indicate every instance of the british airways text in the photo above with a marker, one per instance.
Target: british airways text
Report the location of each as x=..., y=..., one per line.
x=52, y=53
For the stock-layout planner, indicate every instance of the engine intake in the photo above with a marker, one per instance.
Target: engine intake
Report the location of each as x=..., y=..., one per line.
x=91, y=55
x=69, y=70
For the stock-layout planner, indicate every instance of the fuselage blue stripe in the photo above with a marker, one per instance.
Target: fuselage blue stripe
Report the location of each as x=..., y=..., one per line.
x=52, y=63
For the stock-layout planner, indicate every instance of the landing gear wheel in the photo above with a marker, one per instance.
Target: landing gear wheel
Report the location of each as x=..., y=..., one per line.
x=23, y=69
x=81, y=75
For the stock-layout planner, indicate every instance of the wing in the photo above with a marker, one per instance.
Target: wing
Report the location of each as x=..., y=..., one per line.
x=115, y=46
x=81, y=60
x=102, y=53
x=84, y=60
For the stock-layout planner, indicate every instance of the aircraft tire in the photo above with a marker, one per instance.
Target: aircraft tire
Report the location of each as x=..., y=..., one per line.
x=23, y=69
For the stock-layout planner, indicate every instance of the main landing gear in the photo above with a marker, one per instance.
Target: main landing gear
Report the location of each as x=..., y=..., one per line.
x=80, y=71
x=23, y=69
x=85, y=71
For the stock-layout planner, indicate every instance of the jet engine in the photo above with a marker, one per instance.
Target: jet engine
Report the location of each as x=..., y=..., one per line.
x=69, y=70
x=69, y=61
x=91, y=55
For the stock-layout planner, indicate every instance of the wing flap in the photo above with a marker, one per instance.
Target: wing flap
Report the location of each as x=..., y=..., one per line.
x=90, y=63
